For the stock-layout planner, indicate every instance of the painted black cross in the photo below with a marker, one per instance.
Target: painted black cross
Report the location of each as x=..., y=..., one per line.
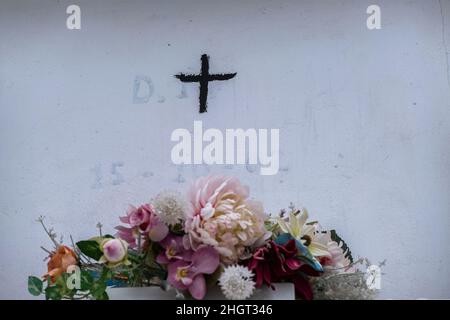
x=204, y=78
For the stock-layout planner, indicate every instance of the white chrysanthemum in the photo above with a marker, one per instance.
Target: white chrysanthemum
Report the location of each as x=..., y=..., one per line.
x=236, y=282
x=170, y=207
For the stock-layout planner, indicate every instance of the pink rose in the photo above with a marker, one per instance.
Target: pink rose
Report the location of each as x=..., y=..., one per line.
x=143, y=222
x=114, y=251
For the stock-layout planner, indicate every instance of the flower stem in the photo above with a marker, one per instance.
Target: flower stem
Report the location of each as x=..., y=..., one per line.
x=46, y=250
x=50, y=235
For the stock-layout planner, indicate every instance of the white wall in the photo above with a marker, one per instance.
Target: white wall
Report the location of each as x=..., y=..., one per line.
x=363, y=117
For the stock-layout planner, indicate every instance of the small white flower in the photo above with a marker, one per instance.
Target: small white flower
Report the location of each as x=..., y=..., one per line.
x=236, y=282
x=170, y=207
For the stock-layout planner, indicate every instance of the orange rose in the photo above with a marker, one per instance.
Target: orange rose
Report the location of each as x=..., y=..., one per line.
x=60, y=261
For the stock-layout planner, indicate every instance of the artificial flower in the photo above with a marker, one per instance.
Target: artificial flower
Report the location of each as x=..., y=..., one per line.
x=143, y=222
x=60, y=260
x=236, y=282
x=338, y=260
x=275, y=263
x=297, y=227
x=114, y=252
x=217, y=236
x=222, y=216
x=188, y=275
x=170, y=207
x=174, y=249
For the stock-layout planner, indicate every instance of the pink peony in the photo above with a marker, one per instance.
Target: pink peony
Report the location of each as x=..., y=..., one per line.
x=222, y=216
x=142, y=221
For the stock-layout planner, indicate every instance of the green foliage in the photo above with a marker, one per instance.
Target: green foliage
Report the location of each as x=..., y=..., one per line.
x=87, y=280
x=92, y=279
x=90, y=248
x=53, y=293
x=59, y=289
x=34, y=285
x=98, y=290
x=90, y=286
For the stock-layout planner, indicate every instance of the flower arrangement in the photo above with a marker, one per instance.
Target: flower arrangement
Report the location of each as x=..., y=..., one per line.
x=216, y=235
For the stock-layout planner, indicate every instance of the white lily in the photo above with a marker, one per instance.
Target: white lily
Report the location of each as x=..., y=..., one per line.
x=297, y=227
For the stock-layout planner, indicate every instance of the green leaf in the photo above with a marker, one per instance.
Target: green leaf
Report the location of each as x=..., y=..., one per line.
x=70, y=294
x=53, y=293
x=103, y=296
x=345, y=248
x=90, y=248
x=86, y=280
x=98, y=290
x=150, y=259
x=106, y=274
x=61, y=281
x=34, y=285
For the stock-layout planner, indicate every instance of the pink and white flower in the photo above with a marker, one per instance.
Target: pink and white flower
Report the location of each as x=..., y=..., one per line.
x=188, y=274
x=186, y=267
x=174, y=249
x=336, y=260
x=143, y=222
x=222, y=216
x=114, y=252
